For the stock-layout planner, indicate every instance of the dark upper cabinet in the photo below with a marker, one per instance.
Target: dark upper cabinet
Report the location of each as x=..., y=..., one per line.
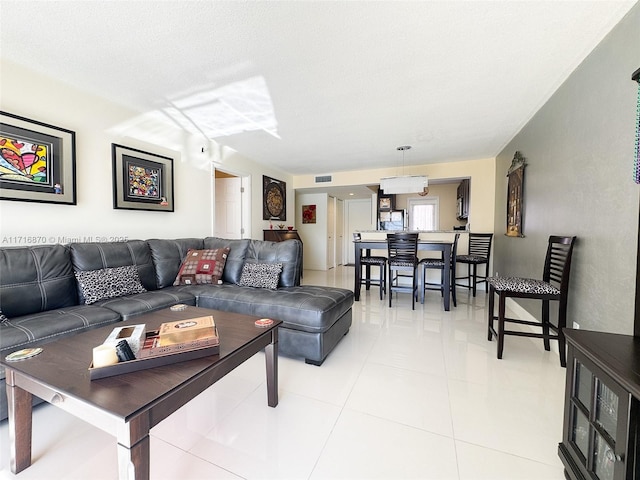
x=462, y=209
x=386, y=204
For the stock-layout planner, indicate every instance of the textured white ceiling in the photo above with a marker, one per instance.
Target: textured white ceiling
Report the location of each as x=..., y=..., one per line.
x=342, y=83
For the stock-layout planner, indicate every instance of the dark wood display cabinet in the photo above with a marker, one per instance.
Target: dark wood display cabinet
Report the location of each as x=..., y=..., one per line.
x=600, y=438
x=281, y=235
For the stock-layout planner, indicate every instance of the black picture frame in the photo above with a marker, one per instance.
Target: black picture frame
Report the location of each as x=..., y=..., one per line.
x=141, y=180
x=274, y=199
x=37, y=161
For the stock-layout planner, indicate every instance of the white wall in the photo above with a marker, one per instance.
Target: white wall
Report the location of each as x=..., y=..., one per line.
x=578, y=181
x=482, y=173
x=313, y=235
x=98, y=123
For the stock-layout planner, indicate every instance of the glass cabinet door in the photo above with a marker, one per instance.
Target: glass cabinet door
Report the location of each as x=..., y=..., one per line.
x=595, y=423
x=603, y=459
x=606, y=411
x=584, y=381
x=580, y=432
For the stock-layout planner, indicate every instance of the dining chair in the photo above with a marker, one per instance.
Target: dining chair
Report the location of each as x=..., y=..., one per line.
x=368, y=261
x=402, y=251
x=553, y=286
x=438, y=263
x=479, y=254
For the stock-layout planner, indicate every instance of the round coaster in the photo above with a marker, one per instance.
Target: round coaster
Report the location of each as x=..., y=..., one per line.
x=23, y=354
x=264, y=322
x=178, y=307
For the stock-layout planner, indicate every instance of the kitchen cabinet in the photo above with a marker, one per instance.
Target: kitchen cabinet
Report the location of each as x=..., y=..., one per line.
x=386, y=204
x=462, y=210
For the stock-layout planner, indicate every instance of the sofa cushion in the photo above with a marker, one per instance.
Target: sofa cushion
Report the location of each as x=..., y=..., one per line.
x=36, y=279
x=43, y=327
x=289, y=253
x=168, y=256
x=108, y=283
x=134, y=305
x=235, y=259
x=202, y=267
x=260, y=275
x=308, y=307
x=98, y=256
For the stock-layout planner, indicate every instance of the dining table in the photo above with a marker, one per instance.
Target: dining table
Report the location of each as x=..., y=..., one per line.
x=443, y=246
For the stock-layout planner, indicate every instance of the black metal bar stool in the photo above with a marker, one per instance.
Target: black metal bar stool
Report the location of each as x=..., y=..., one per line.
x=403, y=261
x=368, y=261
x=479, y=252
x=438, y=263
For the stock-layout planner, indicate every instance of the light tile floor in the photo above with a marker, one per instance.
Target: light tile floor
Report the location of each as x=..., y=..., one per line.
x=406, y=394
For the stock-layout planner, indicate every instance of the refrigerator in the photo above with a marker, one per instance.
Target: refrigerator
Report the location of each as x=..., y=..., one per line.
x=392, y=220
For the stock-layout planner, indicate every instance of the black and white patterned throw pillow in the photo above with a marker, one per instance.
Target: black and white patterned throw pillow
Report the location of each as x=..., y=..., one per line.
x=109, y=283
x=261, y=275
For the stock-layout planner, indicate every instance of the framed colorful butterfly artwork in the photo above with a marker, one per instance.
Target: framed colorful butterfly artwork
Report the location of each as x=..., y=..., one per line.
x=37, y=161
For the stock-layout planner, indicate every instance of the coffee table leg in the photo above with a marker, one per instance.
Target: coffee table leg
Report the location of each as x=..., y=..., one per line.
x=271, y=355
x=134, y=449
x=20, y=418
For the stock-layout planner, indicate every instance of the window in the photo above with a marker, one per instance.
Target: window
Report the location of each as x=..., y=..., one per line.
x=423, y=213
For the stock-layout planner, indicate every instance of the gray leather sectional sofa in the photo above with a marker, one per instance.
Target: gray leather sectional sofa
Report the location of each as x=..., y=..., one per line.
x=42, y=300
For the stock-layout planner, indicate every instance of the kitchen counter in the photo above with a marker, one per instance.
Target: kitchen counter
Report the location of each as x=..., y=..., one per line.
x=463, y=241
x=413, y=231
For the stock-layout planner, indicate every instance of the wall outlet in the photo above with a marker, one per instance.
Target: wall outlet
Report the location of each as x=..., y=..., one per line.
x=576, y=325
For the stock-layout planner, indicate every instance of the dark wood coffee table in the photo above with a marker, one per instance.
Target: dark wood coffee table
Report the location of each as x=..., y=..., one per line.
x=129, y=405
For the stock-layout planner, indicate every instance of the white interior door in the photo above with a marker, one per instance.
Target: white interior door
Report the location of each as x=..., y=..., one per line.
x=359, y=215
x=228, y=209
x=331, y=232
x=339, y=232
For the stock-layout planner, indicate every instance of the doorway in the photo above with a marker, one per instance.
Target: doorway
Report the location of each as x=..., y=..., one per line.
x=231, y=202
x=358, y=216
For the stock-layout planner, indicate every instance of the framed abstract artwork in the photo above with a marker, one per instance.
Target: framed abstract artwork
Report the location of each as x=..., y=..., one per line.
x=37, y=161
x=308, y=214
x=515, y=191
x=141, y=180
x=274, y=199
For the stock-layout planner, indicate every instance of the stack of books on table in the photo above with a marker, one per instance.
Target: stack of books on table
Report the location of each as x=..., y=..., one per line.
x=181, y=336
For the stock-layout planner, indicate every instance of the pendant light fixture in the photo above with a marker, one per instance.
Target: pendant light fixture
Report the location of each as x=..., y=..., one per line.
x=404, y=183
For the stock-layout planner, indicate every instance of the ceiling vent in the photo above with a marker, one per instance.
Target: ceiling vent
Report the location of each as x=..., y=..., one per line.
x=324, y=179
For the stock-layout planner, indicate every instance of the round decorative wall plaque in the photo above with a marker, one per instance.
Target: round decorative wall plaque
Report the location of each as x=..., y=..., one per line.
x=274, y=199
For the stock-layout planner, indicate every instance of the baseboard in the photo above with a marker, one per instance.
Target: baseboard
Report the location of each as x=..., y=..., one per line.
x=522, y=314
